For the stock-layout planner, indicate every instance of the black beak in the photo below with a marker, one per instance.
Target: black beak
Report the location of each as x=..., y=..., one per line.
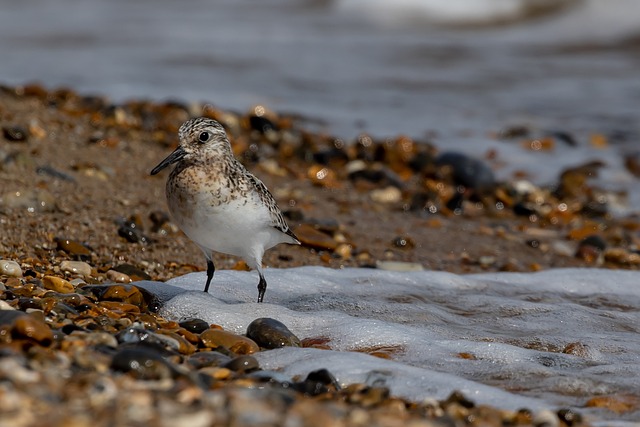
x=172, y=158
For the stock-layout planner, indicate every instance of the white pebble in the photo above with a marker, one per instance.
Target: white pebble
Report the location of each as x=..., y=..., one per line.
x=10, y=268
x=386, y=195
x=399, y=266
x=76, y=267
x=116, y=276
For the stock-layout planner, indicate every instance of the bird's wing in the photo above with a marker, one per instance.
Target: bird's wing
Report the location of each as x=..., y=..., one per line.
x=277, y=220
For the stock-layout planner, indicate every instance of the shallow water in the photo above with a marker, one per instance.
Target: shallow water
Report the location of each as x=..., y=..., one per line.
x=551, y=339
x=448, y=72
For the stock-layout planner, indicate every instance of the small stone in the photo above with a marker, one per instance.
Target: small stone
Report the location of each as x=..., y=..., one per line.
x=243, y=364
x=197, y=326
x=77, y=250
x=15, y=133
x=116, y=276
x=311, y=237
x=271, y=333
x=142, y=363
x=78, y=268
x=132, y=271
x=205, y=359
x=26, y=326
x=33, y=201
x=399, y=266
x=213, y=338
x=10, y=268
x=57, y=284
x=467, y=171
x=387, y=195
x=123, y=293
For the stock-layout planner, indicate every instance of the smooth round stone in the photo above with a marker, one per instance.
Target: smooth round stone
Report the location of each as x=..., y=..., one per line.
x=31, y=200
x=236, y=343
x=468, y=171
x=57, y=284
x=206, y=359
x=10, y=268
x=271, y=333
x=243, y=364
x=79, y=268
x=118, y=277
x=386, y=195
x=197, y=326
x=399, y=266
x=73, y=248
x=26, y=326
x=142, y=363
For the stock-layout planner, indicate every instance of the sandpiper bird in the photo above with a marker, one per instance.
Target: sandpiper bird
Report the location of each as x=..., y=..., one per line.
x=220, y=205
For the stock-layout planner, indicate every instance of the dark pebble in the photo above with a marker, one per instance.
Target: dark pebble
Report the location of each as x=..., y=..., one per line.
x=243, y=364
x=25, y=302
x=323, y=376
x=206, y=359
x=15, y=133
x=565, y=137
x=569, y=417
x=131, y=232
x=158, y=219
x=262, y=124
x=271, y=333
x=594, y=241
x=460, y=399
x=468, y=171
x=331, y=156
x=143, y=364
x=521, y=209
x=54, y=173
x=194, y=325
x=380, y=175
x=294, y=215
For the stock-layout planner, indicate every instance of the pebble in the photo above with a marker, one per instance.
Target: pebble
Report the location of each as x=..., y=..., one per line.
x=468, y=171
x=399, y=266
x=387, y=195
x=142, y=363
x=271, y=333
x=311, y=237
x=10, y=268
x=79, y=268
x=243, y=364
x=57, y=284
x=194, y=325
x=34, y=201
x=15, y=133
x=238, y=344
x=132, y=271
x=76, y=249
x=116, y=276
x=204, y=359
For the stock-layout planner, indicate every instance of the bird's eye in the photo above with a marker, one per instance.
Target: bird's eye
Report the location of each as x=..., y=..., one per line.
x=204, y=136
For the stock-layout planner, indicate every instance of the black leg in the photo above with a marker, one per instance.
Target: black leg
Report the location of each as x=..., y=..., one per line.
x=210, y=270
x=262, y=287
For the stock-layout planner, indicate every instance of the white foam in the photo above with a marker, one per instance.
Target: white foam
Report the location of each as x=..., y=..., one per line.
x=515, y=325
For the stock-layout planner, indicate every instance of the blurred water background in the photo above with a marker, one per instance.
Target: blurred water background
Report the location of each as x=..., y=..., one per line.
x=454, y=73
